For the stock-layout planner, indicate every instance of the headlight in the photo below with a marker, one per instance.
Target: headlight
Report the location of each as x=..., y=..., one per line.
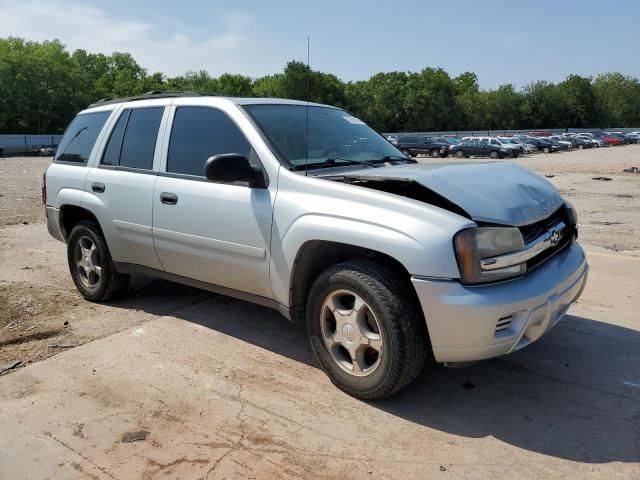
x=474, y=244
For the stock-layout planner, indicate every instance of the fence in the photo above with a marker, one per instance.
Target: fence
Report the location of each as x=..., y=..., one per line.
x=21, y=144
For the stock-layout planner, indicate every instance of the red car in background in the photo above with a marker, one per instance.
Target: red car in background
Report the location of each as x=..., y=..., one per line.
x=612, y=140
x=541, y=133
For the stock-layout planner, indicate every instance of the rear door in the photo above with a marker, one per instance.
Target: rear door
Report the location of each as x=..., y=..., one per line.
x=216, y=233
x=120, y=188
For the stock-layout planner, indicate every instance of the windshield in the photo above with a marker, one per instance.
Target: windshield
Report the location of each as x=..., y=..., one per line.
x=332, y=134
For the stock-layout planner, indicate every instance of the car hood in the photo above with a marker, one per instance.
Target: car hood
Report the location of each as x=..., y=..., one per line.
x=492, y=192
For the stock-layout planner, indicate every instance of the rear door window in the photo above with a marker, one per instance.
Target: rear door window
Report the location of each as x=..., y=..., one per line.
x=139, y=141
x=80, y=137
x=132, y=141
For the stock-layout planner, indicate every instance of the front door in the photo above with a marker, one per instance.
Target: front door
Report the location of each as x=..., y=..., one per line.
x=213, y=232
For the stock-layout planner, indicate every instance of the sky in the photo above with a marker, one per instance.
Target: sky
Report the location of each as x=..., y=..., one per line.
x=501, y=41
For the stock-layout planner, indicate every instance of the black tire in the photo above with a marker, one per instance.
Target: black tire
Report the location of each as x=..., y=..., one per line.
x=546, y=150
x=460, y=154
x=406, y=151
x=110, y=283
x=494, y=154
x=580, y=147
x=434, y=153
x=405, y=341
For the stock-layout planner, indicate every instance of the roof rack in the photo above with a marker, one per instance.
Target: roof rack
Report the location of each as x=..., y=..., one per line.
x=148, y=95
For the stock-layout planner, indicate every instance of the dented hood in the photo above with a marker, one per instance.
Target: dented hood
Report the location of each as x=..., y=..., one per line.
x=501, y=192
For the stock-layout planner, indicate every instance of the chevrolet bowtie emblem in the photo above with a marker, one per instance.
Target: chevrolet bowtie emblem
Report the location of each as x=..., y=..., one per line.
x=554, y=239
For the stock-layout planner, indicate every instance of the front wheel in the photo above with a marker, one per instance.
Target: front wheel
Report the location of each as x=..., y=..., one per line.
x=366, y=330
x=493, y=154
x=546, y=150
x=91, y=266
x=434, y=153
x=580, y=147
x=460, y=154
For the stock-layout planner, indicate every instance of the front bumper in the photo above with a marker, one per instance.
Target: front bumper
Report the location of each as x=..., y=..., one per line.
x=53, y=223
x=474, y=323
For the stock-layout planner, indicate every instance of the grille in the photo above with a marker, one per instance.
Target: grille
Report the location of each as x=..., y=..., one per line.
x=534, y=230
x=504, y=323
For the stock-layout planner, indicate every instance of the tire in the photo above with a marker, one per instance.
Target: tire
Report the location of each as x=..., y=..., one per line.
x=434, y=153
x=87, y=252
x=459, y=154
x=493, y=154
x=546, y=150
x=407, y=152
x=402, y=343
x=580, y=147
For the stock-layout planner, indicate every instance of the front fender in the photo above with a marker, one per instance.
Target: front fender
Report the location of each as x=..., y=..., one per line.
x=431, y=258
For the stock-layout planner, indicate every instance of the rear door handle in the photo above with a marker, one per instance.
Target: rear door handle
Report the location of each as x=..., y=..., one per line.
x=168, y=198
x=97, y=187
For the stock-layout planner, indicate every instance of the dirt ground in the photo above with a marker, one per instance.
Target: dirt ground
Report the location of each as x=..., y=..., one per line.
x=173, y=382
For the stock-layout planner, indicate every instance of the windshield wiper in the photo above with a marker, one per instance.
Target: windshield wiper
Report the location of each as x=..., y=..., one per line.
x=389, y=158
x=331, y=162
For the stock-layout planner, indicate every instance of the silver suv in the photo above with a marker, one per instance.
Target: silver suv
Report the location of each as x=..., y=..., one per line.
x=301, y=207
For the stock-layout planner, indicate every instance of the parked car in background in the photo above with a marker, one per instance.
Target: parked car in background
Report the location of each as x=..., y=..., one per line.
x=612, y=140
x=578, y=142
x=520, y=147
x=451, y=140
x=590, y=137
x=632, y=138
x=540, y=133
x=393, y=139
x=1, y=150
x=43, y=151
x=514, y=149
x=478, y=148
x=543, y=144
x=562, y=143
x=413, y=145
x=616, y=136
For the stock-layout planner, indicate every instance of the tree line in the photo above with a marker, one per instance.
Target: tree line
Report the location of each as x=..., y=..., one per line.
x=43, y=85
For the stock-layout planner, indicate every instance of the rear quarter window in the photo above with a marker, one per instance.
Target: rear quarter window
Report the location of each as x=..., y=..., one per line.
x=80, y=137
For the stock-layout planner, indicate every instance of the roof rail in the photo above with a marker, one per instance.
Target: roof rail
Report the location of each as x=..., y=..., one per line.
x=146, y=96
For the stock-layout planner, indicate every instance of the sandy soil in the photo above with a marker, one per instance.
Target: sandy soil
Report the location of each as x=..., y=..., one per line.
x=227, y=389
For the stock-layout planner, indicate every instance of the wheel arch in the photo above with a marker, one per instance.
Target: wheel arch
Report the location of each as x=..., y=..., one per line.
x=315, y=256
x=71, y=214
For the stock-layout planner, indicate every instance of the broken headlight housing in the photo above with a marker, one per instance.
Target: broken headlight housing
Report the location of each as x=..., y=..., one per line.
x=473, y=244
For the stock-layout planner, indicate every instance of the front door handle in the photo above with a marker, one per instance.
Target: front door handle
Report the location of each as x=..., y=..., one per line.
x=97, y=187
x=168, y=198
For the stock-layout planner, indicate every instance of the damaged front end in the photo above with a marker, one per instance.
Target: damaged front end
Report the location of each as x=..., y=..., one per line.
x=522, y=220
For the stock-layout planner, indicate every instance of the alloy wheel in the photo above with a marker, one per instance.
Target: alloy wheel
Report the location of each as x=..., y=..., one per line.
x=351, y=333
x=88, y=262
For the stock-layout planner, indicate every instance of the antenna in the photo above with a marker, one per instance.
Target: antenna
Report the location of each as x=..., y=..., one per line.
x=306, y=162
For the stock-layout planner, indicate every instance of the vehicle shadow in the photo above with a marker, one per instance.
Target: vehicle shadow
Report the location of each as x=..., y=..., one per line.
x=575, y=394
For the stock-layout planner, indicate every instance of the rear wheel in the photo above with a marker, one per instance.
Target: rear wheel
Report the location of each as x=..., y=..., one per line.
x=580, y=147
x=493, y=154
x=434, y=153
x=459, y=154
x=91, y=266
x=546, y=150
x=366, y=331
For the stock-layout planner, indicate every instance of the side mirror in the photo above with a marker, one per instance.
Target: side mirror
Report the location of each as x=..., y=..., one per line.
x=233, y=167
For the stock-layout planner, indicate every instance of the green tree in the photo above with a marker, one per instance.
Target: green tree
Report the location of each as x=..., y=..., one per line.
x=429, y=101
